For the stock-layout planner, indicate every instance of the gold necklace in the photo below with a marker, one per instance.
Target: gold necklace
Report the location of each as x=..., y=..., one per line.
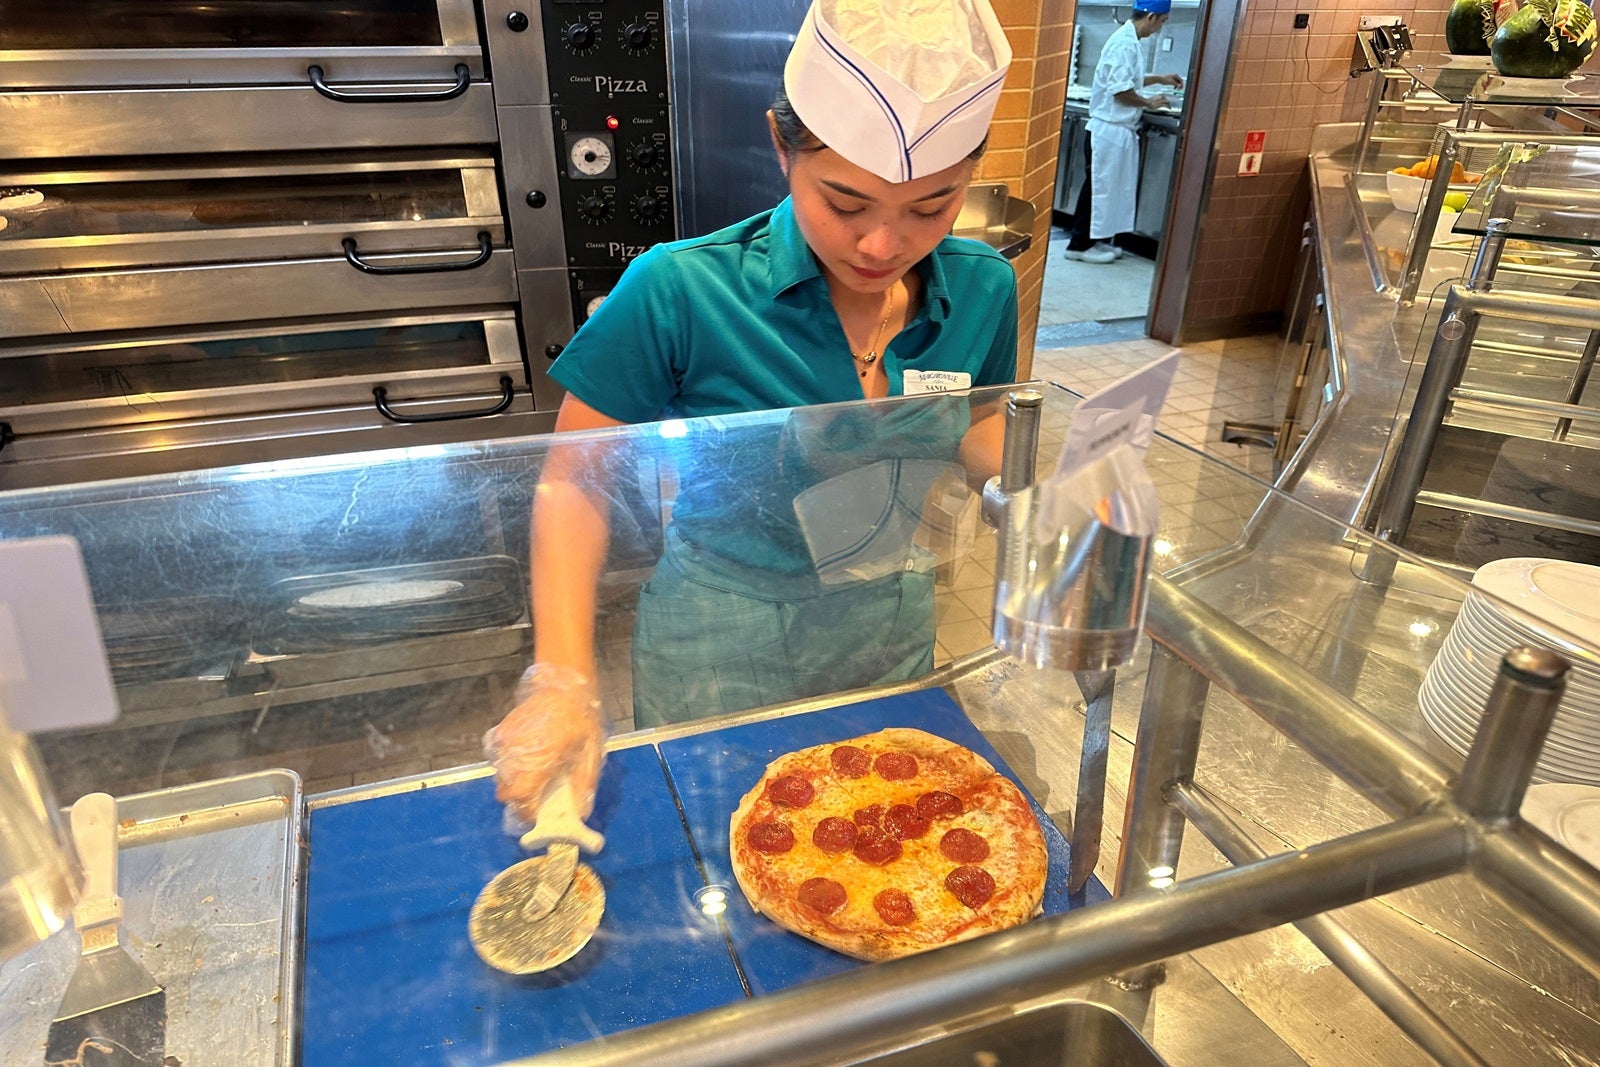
x=871, y=357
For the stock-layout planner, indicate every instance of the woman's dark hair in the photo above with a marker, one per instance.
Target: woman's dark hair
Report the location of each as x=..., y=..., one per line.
x=796, y=137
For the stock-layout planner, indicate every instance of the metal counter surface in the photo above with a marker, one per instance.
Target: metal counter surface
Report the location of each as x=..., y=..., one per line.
x=1370, y=336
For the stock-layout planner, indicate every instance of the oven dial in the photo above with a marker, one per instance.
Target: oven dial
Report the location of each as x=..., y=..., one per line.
x=647, y=207
x=638, y=36
x=580, y=36
x=594, y=305
x=596, y=208
x=590, y=156
x=647, y=155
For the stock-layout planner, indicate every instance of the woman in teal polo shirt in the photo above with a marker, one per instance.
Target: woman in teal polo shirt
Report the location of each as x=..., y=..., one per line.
x=849, y=288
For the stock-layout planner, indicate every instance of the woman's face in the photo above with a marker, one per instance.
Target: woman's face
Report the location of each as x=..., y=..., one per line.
x=867, y=232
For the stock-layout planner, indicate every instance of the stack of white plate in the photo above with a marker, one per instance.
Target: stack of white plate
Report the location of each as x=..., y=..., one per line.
x=1525, y=601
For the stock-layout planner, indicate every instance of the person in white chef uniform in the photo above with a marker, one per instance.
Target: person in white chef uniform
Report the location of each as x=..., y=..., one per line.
x=1109, y=196
x=851, y=288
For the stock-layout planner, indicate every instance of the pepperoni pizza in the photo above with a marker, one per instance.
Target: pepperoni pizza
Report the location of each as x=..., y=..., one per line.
x=887, y=845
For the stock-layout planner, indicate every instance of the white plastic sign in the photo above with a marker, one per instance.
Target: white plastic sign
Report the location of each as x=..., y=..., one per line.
x=1124, y=412
x=53, y=669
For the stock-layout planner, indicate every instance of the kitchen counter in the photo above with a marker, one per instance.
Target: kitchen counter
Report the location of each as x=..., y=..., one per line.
x=1254, y=588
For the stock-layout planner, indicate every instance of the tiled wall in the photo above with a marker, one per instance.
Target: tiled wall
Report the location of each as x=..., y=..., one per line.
x=1284, y=81
x=1024, y=136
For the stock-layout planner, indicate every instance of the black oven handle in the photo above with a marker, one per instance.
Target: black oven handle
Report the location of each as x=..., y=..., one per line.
x=485, y=250
x=380, y=397
x=463, y=79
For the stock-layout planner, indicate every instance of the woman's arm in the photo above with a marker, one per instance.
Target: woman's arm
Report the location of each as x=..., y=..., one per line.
x=556, y=733
x=571, y=530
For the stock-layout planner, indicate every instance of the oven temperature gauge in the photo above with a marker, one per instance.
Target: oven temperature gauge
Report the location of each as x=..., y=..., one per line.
x=594, y=305
x=590, y=156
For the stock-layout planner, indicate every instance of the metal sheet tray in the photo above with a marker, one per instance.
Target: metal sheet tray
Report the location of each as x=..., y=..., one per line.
x=210, y=880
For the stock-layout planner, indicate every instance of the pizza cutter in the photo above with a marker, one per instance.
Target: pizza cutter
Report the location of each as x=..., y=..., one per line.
x=537, y=914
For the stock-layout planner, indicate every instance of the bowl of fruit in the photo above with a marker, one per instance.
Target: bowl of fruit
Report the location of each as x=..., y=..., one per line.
x=1407, y=185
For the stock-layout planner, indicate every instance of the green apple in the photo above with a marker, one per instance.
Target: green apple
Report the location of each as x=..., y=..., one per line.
x=1455, y=201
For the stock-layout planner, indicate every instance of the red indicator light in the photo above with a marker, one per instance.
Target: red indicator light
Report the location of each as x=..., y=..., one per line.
x=612, y=122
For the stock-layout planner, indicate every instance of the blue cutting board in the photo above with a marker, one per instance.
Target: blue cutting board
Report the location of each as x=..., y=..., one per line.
x=390, y=977
x=712, y=771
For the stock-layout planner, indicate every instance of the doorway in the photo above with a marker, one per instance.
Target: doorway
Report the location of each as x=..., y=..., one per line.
x=1087, y=302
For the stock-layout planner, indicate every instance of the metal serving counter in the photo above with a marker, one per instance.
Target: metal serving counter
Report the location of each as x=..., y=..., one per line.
x=1274, y=709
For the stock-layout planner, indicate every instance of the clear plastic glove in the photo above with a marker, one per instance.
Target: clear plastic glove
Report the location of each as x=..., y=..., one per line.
x=554, y=734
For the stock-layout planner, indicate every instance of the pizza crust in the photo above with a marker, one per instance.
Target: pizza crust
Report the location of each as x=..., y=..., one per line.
x=993, y=808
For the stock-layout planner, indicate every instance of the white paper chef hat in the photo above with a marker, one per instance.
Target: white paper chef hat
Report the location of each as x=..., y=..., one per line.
x=902, y=88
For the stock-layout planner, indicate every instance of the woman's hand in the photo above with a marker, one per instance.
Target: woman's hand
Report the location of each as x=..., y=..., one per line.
x=554, y=734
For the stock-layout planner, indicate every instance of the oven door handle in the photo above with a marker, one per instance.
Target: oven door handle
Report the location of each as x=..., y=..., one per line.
x=380, y=397
x=485, y=250
x=463, y=79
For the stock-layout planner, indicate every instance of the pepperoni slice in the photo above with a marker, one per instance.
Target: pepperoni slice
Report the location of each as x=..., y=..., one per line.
x=770, y=836
x=894, y=907
x=876, y=846
x=939, y=805
x=964, y=846
x=973, y=886
x=904, y=823
x=850, y=762
x=871, y=815
x=834, y=834
x=823, y=895
x=895, y=766
x=791, y=790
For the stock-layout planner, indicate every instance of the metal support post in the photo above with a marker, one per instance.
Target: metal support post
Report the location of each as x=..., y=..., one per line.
x=1088, y=817
x=1427, y=215
x=1447, y=358
x=1515, y=720
x=1487, y=260
x=1168, y=742
x=1580, y=380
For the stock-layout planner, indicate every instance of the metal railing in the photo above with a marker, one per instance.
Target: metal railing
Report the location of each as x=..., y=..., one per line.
x=1442, y=827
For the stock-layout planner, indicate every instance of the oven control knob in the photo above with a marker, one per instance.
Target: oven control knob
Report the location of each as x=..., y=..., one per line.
x=638, y=36
x=595, y=208
x=646, y=155
x=580, y=36
x=648, y=208
x=516, y=22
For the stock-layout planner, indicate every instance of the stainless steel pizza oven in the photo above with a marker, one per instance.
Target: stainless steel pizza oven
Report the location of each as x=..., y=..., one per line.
x=265, y=230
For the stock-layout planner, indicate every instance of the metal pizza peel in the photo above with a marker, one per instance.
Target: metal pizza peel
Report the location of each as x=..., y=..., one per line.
x=539, y=913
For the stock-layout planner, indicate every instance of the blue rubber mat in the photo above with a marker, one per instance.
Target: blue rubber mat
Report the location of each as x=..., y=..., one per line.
x=391, y=978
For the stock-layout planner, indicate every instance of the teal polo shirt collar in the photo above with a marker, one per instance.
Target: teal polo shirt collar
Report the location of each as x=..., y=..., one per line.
x=790, y=262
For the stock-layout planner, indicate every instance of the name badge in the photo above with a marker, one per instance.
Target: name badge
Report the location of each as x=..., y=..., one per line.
x=936, y=381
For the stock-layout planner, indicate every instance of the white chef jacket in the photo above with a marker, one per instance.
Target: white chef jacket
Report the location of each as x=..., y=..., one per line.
x=1121, y=68
x=1112, y=127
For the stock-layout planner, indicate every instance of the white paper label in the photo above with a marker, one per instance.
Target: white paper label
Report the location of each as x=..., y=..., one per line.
x=936, y=381
x=1123, y=412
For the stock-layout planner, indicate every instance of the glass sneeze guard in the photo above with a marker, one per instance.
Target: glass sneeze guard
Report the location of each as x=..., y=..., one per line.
x=381, y=715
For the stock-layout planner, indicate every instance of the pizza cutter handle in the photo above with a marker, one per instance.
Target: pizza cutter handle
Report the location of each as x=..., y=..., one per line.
x=558, y=820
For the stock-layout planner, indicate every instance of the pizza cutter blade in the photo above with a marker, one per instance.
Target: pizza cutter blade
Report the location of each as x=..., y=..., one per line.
x=507, y=940
x=556, y=825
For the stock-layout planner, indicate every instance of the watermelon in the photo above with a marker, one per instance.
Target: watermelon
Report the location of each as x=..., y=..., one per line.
x=1545, y=39
x=1468, y=27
